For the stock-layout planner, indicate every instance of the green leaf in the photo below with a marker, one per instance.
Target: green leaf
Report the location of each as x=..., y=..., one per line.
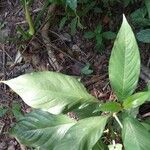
x=109, y=35
x=124, y=64
x=16, y=110
x=139, y=17
x=25, y=35
x=54, y=132
x=41, y=129
x=62, y=22
x=98, y=29
x=146, y=124
x=89, y=35
x=72, y=4
x=87, y=110
x=144, y=36
x=135, y=136
x=136, y=100
x=50, y=91
x=99, y=43
x=100, y=146
x=99, y=39
x=73, y=25
x=110, y=107
x=133, y=112
x=147, y=3
x=84, y=134
x=86, y=70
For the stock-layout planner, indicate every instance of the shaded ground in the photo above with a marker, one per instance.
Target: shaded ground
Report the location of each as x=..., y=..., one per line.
x=72, y=54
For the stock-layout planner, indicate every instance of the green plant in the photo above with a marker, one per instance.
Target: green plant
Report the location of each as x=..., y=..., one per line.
x=72, y=4
x=147, y=4
x=144, y=36
x=139, y=17
x=99, y=36
x=51, y=94
x=16, y=110
x=86, y=69
x=69, y=14
x=26, y=4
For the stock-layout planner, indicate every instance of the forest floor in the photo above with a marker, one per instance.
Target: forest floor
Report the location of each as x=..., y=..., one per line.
x=72, y=54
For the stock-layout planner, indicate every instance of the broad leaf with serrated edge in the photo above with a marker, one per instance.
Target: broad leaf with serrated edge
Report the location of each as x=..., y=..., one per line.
x=42, y=129
x=84, y=134
x=50, y=91
x=136, y=100
x=135, y=135
x=124, y=64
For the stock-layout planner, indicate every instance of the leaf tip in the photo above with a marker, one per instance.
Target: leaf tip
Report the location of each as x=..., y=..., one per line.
x=124, y=18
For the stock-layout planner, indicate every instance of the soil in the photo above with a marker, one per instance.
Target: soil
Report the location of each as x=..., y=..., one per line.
x=72, y=54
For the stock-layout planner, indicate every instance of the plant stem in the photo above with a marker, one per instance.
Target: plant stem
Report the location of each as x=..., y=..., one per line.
x=117, y=119
x=29, y=20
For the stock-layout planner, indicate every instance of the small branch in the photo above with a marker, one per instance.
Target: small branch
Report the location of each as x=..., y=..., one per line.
x=47, y=41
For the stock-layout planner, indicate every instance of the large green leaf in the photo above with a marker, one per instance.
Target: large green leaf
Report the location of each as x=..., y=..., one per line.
x=124, y=65
x=135, y=136
x=50, y=91
x=136, y=100
x=83, y=135
x=41, y=129
x=58, y=132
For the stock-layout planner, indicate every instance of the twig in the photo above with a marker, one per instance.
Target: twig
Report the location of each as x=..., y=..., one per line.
x=73, y=59
x=47, y=41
